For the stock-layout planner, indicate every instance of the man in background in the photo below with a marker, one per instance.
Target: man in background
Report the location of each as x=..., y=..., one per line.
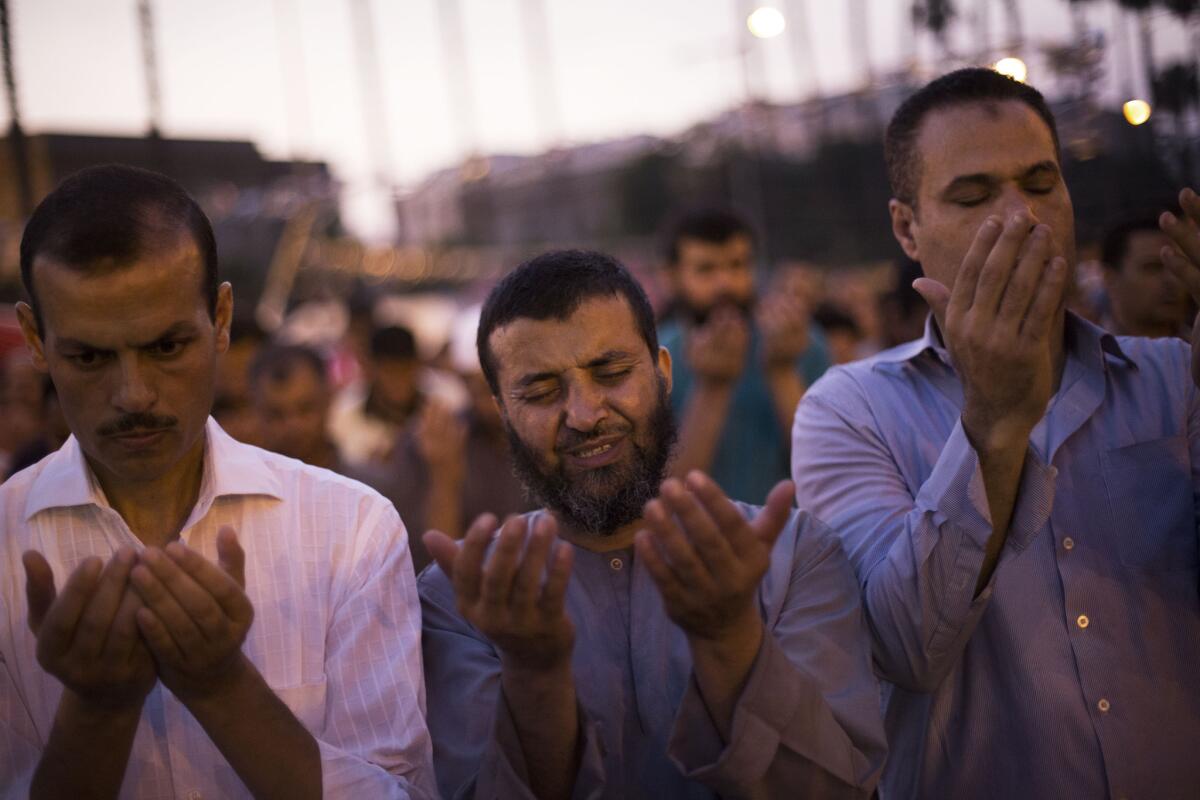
x=1145, y=298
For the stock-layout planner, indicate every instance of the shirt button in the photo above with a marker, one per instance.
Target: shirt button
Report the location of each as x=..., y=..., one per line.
x=616, y=563
x=1104, y=705
x=1082, y=621
x=1068, y=543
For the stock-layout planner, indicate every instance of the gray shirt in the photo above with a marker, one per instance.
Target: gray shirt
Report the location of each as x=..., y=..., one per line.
x=807, y=723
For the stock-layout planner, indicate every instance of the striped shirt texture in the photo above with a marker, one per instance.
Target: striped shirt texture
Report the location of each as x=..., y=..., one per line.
x=336, y=632
x=1075, y=673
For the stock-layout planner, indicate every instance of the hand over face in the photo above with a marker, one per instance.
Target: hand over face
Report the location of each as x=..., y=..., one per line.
x=705, y=557
x=196, y=613
x=717, y=349
x=1183, y=259
x=87, y=635
x=514, y=593
x=783, y=320
x=999, y=324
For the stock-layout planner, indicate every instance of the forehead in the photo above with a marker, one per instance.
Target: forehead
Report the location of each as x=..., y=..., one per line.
x=736, y=245
x=1145, y=243
x=600, y=325
x=114, y=303
x=983, y=138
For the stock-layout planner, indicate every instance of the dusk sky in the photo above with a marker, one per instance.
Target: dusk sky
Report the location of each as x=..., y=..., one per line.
x=286, y=74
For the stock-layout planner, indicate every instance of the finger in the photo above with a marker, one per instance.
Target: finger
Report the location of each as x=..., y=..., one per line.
x=160, y=641
x=967, y=279
x=528, y=580
x=230, y=555
x=178, y=624
x=502, y=564
x=1022, y=286
x=468, y=566
x=97, y=617
x=39, y=587
x=1051, y=294
x=558, y=575
x=220, y=592
x=776, y=512
x=442, y=549
x=1189, y=203
x=1187, y=272
x=123, y=633
x=732, y=525
x=698, y=526
x=937, y=296
x=681, y=555
x=58, y=626
x=652, y=558
x=998, y=268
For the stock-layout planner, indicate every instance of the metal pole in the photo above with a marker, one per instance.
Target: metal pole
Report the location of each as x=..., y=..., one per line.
x=16, y=136
x=458, y=74
x=150, y=63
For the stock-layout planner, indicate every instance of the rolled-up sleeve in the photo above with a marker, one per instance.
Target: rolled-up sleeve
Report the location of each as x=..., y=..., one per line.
x=476, y=751
x=807, y=723
x=374, y=741
x=917, y=554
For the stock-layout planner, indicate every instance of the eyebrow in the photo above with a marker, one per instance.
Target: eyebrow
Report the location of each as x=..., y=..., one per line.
x=176, y=330
x=601, y=360
x=989, y=179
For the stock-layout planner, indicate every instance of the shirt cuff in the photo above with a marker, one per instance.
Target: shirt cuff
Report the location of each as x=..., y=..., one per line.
x=768, y=702
x=344, y=775
x=505, y=774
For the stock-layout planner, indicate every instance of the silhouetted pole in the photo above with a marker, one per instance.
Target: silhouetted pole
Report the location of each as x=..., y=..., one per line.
x=16, y=136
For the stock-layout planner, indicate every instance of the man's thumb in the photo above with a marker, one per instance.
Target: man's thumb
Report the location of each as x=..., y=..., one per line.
x=936, y=295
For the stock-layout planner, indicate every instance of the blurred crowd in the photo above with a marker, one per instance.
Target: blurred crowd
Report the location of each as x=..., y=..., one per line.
x=387, y=389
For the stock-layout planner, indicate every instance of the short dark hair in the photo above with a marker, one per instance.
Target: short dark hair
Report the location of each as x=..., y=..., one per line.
x=393, y=342
x=553, y=286
x=958, y=88
x=710, y=225
x=1115, y=243
x=831, y=318
x=114, y=212
x=277, y=363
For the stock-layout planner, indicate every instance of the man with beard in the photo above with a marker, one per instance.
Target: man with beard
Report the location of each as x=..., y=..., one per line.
x=674, y=643
x=741, y=365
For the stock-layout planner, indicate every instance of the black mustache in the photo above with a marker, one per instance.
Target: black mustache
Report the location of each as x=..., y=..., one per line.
x=128, y=423
x=570, y=439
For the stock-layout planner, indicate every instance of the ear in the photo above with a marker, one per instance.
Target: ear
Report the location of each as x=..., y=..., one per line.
x=664, y=365
x=905, y=227
x=33, y=339
x=224, y=315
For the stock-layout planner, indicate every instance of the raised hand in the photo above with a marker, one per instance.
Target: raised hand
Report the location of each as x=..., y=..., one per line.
x=196, y=614
x=1183, y=259
x=717, y=349
x=87, y=635
x=783, y=319
x=999, y=326
x=706, y=558
x=513, y=594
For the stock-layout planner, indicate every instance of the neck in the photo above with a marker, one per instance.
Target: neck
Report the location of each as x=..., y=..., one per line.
x=1152, y=330
x=617, y=540
x=155, y=510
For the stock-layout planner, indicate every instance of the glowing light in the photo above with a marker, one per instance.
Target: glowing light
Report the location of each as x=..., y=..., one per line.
x=1136, y=111
x=766, y=22
x=1012, y=67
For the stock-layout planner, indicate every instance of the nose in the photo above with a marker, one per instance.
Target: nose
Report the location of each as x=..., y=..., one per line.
x=585, y=407
x=134, y=392
x=1014, y=201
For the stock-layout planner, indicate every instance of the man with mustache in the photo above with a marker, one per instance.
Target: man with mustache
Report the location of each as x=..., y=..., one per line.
x=741, y=362
x=1017, y=488
x=634, y=637
x=198, y=618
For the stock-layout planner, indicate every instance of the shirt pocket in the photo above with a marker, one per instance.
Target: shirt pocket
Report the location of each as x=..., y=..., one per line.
x=307, y=702
x=1150, y=495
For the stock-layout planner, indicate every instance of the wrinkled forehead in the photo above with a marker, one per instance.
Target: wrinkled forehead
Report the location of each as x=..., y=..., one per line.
x=599, y=326
x=980, y=138
x=105, y=298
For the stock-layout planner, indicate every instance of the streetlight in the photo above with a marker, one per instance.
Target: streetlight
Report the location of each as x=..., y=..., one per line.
x=1012, y=67
x=766, y=22
x=1136, y=111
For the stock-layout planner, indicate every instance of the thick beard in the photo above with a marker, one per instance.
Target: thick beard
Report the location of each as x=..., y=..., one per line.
x=699, y=316
x=601, y=501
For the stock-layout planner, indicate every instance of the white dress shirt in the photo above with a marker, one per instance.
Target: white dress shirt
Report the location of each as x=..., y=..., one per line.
x=336, y=631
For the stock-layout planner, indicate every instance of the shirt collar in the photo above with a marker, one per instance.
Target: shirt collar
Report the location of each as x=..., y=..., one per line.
x=1083, y=337
x=230, y=468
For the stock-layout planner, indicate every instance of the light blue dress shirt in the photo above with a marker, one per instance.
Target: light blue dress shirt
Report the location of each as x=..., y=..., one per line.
x=806, y=724
x=1076, y=671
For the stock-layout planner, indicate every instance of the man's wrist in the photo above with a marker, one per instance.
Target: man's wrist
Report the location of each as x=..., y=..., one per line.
x=217, y=692
x=734, y=643
x=990, y=436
